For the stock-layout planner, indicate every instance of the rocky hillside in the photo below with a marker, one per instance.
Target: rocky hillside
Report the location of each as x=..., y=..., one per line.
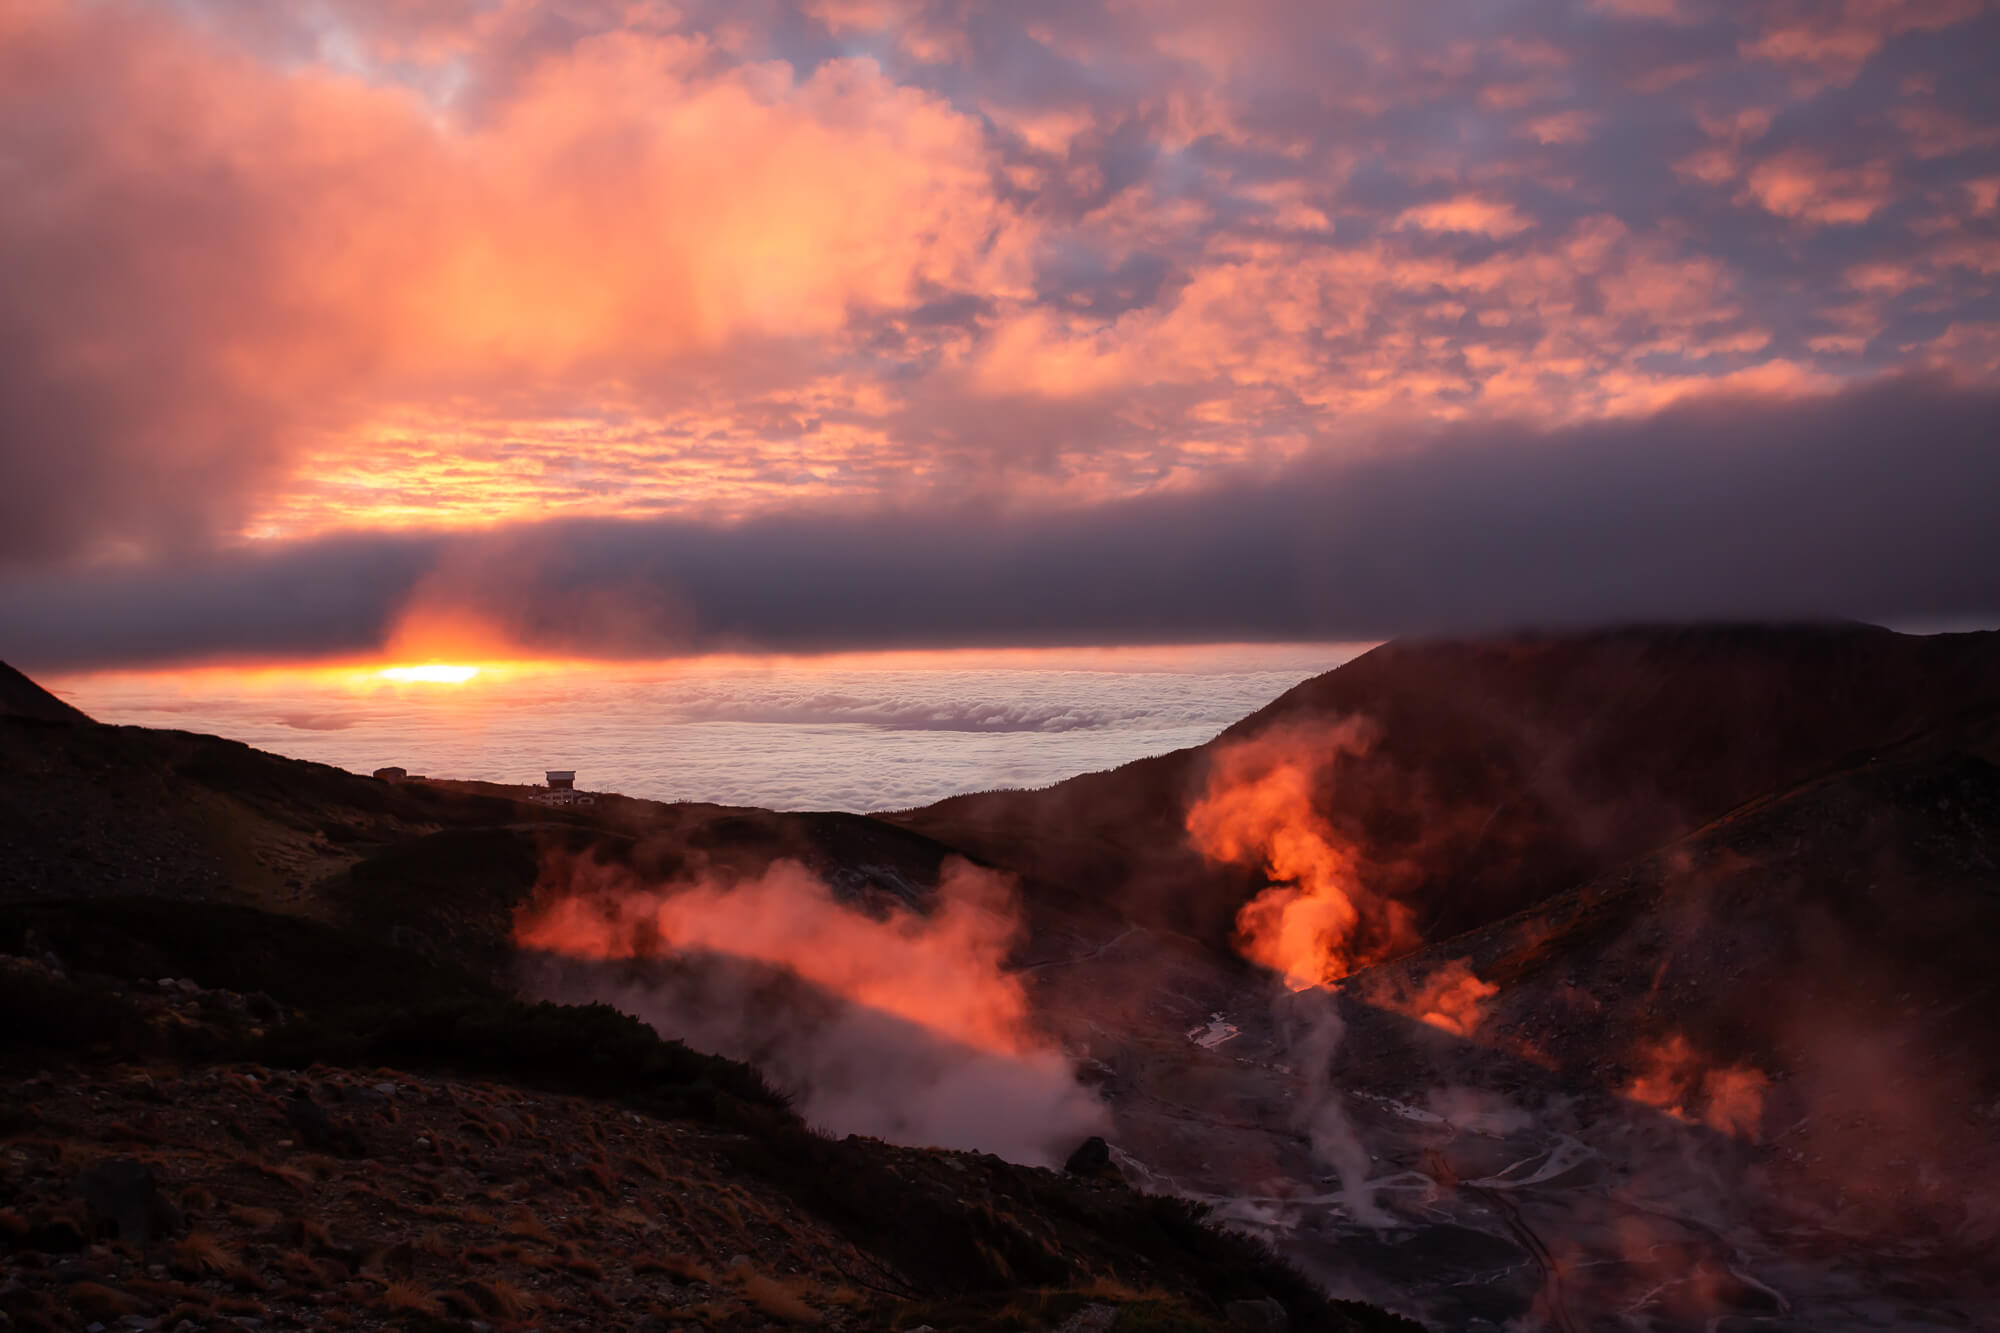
x=90, y=811
x=181, y=1156
x=1500, y=771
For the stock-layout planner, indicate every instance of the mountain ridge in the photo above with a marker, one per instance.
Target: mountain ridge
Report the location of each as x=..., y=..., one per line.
x=1666, y=727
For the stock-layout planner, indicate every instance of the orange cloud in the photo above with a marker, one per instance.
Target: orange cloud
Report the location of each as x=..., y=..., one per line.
x=1801, y=185
x=637, y=204
x=442, y=265
x=1467, y=213
x=1834, y=38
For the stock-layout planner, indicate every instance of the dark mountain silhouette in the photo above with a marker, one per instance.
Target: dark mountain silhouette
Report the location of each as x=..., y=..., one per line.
x=1502, y=770
x=116, y=812
x=21, y=697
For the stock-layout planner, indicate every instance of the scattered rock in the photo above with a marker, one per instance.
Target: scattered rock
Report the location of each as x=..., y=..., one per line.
x=1092, y=1159
x=125, y=1202
x=1093, y=1318
x=1262, y=1316
x=318, y=1130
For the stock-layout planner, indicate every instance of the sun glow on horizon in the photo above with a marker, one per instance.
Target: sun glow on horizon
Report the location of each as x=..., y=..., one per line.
x=433, y=674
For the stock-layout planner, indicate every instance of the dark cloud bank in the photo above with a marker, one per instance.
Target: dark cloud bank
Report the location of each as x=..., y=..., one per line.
x=1878, y=502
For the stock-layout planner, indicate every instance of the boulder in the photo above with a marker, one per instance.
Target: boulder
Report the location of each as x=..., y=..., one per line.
x=318, y=1130
x=125, y=1202
x=1092, y=1158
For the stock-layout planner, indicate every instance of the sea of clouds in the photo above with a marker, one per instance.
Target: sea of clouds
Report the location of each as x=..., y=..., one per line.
x=858, y=732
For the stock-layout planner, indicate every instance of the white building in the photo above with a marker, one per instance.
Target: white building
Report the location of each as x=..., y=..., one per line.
x=561, y=790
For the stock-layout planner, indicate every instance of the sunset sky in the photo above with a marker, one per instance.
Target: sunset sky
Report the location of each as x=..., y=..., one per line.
x=428, y=327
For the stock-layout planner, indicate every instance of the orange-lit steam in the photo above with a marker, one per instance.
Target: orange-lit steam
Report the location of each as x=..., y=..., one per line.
x=943, y=972
x=927, y=1038
x=1316, y=922
x=1451, y=998
x=1674, y=1078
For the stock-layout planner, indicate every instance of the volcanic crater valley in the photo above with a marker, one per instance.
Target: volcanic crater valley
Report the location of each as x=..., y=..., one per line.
x=1633, y=979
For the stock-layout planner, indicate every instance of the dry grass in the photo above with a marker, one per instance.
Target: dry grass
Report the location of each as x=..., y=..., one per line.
x=578, y=1266
x=94, y=1300
x=289, y=1175
x=201, y=1254
x=493, y=1134
x=778, y=1300
x=629, y=1216
x=524, y=1225
x=520, y=1254
x=681, y=1266
x=257, y=1219
x=163, y=1291
x=1118, y=1293
x=309, y=1234
x=410, y=1298
x=302, y=1268
x=319, y=1166
x=458, y=1304
x=645, y=1163
x=502, y=1300
x=712, y=1314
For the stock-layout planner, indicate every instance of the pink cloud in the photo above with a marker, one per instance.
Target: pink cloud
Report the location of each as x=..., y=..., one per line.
x=429, y=263
x=1467, y=213
x=1801, y=185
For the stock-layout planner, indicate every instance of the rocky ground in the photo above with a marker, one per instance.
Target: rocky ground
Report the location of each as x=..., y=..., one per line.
x=367, y=1199
x=166, y=1192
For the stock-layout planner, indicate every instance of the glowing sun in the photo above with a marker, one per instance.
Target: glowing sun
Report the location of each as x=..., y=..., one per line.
x=430, y=675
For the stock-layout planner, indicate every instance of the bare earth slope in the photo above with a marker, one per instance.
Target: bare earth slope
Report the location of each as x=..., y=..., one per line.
x=1501, y=771
x=1746, y=1081
x=91, y=811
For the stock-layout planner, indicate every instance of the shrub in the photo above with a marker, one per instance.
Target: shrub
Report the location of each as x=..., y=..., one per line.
x=592, y=1050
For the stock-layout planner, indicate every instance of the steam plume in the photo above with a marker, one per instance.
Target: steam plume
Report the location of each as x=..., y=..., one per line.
x=903, y=1025
x=1316, y=922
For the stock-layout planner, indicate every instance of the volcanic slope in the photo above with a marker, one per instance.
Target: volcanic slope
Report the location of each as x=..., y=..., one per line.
x=1747, y=1079
x=256, y=1066
x=174, y=1154
x=90, y=812
x=1497, y=772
